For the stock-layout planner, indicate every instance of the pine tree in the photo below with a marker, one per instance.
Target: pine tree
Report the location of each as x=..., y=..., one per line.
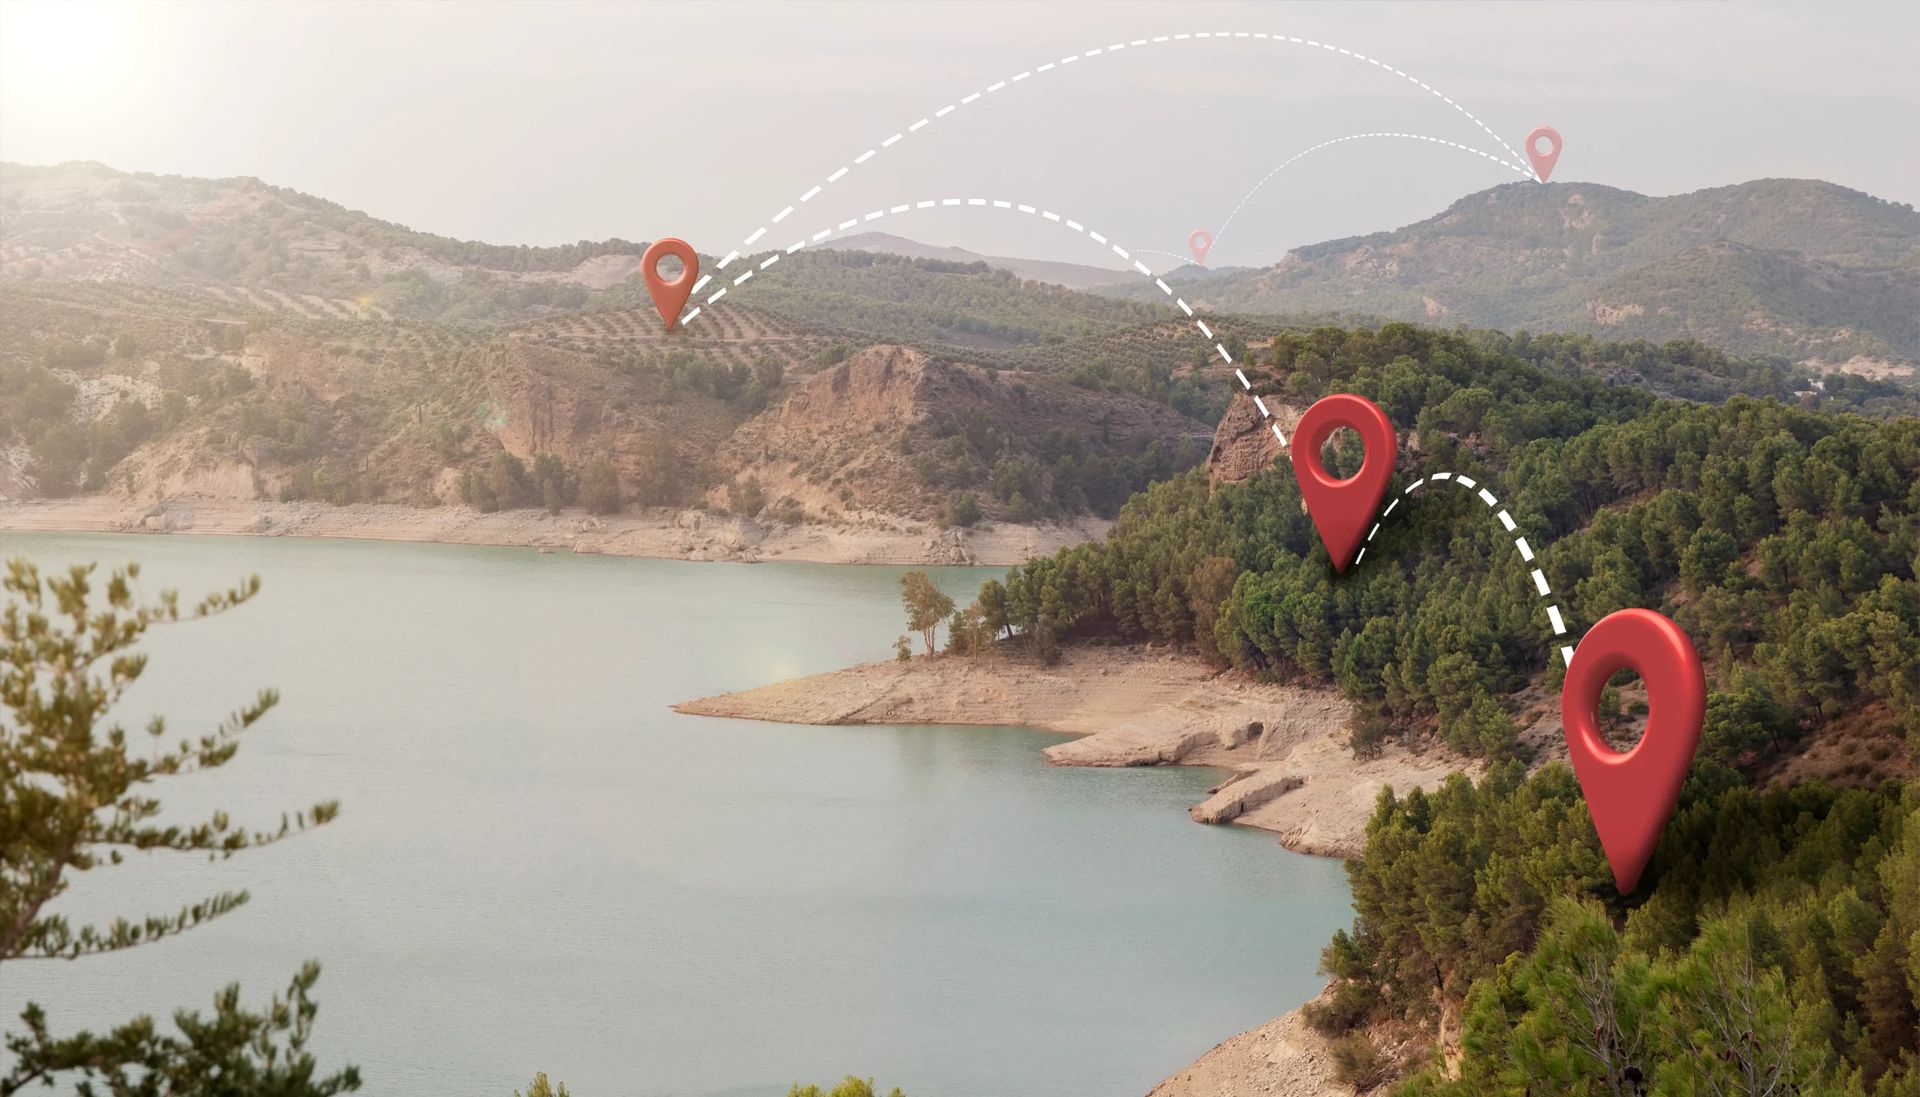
x=74, y=797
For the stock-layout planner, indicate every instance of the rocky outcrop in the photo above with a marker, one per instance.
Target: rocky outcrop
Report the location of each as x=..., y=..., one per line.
x=858, y=438
x=1245, y=792
x=1244, y=442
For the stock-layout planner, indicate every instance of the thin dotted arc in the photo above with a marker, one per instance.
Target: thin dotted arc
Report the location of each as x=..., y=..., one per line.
x=1086, y=55
x=1540, y=585
x=1222, y=230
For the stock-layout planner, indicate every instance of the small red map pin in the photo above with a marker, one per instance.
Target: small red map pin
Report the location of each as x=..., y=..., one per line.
x=1341, y=509
x=1200, y=242
x=1631, y=795
x=670, y=297
x=1543, y=161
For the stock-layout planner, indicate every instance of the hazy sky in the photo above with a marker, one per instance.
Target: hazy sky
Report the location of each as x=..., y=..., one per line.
x=549, y=123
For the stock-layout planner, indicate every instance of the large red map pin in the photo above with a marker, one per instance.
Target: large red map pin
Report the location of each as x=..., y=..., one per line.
x=1631, y=795
x=670, y=297
x=1341, y=509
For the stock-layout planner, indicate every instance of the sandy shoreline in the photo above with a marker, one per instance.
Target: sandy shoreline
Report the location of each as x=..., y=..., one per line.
x=1292, y=774
x=659, y=533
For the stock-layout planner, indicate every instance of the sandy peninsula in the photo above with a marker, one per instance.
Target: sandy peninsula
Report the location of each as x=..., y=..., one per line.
x=660, y=533
x=1284, y=747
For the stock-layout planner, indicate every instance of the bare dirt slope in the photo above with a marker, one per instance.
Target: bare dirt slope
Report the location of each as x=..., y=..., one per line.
x=1282, y=1058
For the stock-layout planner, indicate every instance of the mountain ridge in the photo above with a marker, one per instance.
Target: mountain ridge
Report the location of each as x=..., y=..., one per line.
x=1585, y=257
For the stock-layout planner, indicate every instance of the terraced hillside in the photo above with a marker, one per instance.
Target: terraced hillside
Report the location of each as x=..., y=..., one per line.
x=270, y=248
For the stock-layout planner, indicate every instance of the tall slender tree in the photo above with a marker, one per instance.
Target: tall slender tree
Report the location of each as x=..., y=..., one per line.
x=926, y=605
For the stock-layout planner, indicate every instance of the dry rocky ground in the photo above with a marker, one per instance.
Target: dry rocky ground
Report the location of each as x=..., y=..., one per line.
x=1282, y=1058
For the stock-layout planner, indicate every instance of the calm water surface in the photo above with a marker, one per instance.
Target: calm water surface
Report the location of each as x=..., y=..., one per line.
x=540, y=867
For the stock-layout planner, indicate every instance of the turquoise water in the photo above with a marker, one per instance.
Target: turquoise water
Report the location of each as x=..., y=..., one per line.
x=540, y=867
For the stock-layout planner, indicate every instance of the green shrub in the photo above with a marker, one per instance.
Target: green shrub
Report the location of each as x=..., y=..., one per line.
x=1357, y=1063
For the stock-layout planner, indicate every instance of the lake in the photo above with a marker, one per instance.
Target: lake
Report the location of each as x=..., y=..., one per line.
x=539, y=867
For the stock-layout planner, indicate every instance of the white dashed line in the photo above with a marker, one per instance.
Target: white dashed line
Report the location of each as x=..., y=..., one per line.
x=1520, y=543
x=1218, y=346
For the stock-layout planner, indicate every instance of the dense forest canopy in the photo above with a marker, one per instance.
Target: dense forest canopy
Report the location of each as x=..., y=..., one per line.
x=1782, y=540
x=1772, y=948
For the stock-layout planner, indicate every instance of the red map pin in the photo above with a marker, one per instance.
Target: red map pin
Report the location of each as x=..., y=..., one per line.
x=670, y=297
x=1631, y=795
x=1341, y=509
x=1200, y=242
x=1543, y=161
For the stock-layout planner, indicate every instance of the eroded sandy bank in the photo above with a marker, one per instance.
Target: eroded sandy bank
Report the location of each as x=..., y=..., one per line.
x=665, y=534
x=1285, y=746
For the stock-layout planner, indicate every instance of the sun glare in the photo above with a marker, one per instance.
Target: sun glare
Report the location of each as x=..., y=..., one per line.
x=66, y=61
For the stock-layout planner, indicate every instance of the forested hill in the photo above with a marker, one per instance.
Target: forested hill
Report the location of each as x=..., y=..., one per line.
x=1794, y=267
x=1785, y=541
x=1782, y=539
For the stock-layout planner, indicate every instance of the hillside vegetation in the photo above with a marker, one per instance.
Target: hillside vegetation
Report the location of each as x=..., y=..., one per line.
x=1783, y=540
x=150, y=392
x=164, y=337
